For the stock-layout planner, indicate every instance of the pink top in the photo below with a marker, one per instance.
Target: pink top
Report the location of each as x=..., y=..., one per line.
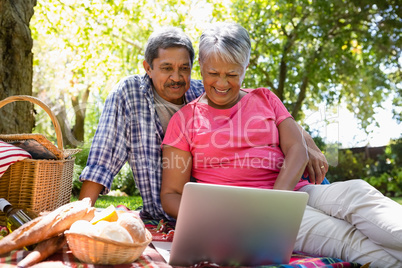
x=237, y=146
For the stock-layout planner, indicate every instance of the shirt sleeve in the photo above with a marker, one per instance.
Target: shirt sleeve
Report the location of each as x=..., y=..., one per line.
x=108, y=151
x=281, y=113
x=176, y=132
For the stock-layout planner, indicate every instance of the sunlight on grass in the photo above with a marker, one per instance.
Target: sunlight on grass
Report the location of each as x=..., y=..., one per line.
x=132, y=202
x=397, y=199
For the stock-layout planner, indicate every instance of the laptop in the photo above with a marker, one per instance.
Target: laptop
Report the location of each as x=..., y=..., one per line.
x=232, y=226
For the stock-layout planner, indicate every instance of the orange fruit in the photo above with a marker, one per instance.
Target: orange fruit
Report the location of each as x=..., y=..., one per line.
x=108, y=214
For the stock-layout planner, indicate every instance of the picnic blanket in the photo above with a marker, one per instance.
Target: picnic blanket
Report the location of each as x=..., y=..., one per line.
x=151, y=258
x=164, y=231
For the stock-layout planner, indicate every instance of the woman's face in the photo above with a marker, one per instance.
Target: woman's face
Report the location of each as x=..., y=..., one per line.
x=222, y=81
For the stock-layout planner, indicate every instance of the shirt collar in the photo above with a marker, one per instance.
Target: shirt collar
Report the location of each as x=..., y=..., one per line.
x=146, y=85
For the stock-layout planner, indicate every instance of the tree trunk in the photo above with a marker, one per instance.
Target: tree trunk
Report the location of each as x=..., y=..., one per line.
x=80, y=111
x=73, y=137
x=16, y=61
x=300, y=98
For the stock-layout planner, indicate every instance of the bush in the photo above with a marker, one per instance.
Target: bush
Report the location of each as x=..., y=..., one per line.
x=390, y=184
x=350, y=166
x=384, y=173
x=80, y=163
x=123, y=181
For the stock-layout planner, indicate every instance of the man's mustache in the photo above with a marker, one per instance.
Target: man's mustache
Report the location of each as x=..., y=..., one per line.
x=172, y=84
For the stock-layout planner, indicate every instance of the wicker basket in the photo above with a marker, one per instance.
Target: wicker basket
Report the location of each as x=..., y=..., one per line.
x=38, y=184
x=98, y=250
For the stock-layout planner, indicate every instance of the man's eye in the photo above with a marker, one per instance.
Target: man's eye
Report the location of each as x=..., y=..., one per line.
x=185, y=68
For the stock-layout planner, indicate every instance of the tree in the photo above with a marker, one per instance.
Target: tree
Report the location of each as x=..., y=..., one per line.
x=308, y=52
x=312, y=51
x=16, y=64
x=83, y=48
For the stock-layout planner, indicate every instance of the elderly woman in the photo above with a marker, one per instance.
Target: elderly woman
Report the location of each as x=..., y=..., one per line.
x=246, y=137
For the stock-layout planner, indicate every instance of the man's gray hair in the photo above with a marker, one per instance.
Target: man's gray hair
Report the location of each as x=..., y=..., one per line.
x=164, y=38
x=229, y=41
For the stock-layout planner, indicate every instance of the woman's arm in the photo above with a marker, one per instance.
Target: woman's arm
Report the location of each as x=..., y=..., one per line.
x=176, y=173
x=296, y=157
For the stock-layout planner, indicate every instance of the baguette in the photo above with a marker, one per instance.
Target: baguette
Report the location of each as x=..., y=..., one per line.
x=43, y=250
x=47, y=226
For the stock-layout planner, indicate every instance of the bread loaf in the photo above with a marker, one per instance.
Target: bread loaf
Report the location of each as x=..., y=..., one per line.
x=134, y=226
x=43, y=250
x=47, y=226
x=113, y=231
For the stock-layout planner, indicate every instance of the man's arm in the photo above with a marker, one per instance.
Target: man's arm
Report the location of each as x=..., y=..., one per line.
x=108, y=151
x=317, y=165
x=90, y=189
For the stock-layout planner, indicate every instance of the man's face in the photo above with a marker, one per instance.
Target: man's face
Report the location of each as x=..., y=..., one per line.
x=171, y=73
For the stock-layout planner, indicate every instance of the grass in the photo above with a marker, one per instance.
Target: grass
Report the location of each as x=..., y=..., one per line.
x=134, y=202
x=397, y=199
x=103, y=201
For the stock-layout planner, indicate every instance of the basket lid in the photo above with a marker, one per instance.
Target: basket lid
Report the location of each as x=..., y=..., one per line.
x=38, y=146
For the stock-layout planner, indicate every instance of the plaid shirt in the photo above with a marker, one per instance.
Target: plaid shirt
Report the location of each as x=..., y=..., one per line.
x=130, y=130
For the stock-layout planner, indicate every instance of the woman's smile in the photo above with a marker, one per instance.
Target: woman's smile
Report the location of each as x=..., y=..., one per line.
x=221, y=91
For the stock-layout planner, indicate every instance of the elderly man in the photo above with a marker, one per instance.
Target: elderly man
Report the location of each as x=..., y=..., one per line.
x=135, y=118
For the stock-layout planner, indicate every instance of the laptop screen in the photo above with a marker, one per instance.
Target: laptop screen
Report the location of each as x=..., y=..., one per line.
x=230, y=225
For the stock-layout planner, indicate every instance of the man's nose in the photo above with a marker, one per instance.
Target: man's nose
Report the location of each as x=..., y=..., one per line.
x=175, y=76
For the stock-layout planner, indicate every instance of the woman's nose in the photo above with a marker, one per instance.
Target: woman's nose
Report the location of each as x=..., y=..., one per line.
x=222, y=82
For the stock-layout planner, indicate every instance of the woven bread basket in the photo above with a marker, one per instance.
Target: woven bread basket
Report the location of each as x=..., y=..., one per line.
x=98, y=250
x=38, y=184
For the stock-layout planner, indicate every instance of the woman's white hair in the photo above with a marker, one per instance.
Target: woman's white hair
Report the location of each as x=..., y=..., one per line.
x=226, y=40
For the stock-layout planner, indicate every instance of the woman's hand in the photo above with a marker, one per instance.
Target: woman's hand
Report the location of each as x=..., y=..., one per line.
x=317, y=165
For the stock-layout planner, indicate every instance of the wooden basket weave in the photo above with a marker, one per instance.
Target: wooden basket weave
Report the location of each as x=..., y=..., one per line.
x=98, y=250
x=38, y=184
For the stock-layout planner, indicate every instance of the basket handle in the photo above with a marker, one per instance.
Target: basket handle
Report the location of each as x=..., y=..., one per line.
x=44, y=107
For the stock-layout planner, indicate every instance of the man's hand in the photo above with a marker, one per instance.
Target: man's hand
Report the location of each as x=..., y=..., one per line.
x=317, y=165
x=90, y=189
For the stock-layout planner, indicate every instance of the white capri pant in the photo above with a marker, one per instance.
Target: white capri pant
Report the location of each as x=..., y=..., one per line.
x=353, y=221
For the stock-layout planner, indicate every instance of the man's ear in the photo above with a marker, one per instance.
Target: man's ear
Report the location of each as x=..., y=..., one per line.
x=147, y=68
